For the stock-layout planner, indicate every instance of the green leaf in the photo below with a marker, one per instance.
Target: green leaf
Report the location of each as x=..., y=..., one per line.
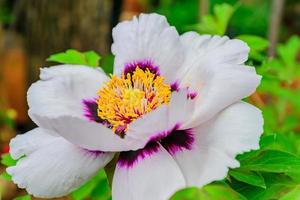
x=5, y=176
x=88, y=189
x=7, y=160
x=288, y=52
x=84, y=191
x=271, y=161
x=107, y=63
x=294, y=175
x=249, y=177
x=101, y=191
x=257, y=46
x=26, y=197
x=278, y=141
x=292, y=195
x=254, y=42
x=277, y=185
x=72, y=56
x=216, y=23
x=208, y=192
x=92, y=58
x=223, y=13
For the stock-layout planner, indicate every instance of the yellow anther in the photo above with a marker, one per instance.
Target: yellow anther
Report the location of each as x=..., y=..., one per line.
x=123, y=100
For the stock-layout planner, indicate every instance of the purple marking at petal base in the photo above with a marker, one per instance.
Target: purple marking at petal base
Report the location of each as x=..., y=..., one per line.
x=92, y=153
x=178, y=140
x=128, y=159
x=90, y=111
x=173, y=141
x=164, y=134
x=142, y=64
x=120, y=130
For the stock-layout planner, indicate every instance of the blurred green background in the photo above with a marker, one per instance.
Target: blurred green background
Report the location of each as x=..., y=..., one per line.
x=32, y=30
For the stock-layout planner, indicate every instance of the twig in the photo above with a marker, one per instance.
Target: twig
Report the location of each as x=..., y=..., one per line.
x=203, y=8
x=274, y=25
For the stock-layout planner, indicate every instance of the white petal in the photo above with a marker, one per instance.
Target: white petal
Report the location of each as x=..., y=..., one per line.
x=27, y=143
x=235, y=130
x=57, y=168
x=226, y=87
x=150, y=124
x=90, y=135
x=155, y=177
x=214, y=69
x=62, y=89
x=215, y=49
x=181, y=107
x=162, y=119
x=95, y=136
x=148, y=37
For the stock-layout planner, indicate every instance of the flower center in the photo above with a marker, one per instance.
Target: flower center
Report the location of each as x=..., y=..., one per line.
x=123, y=100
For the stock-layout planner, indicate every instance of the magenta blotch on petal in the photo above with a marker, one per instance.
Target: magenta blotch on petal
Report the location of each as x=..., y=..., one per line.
x=164, y=134
x=90, y=110
x=92, y=153
x=129, y=158
x=173, y=141
x=142, y=64
x=178, y=140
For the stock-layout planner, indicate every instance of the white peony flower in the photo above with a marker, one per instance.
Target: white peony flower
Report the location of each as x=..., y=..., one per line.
x=172, y=109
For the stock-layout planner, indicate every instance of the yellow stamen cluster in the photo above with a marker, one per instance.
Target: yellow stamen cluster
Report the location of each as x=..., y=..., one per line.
x=123, y=100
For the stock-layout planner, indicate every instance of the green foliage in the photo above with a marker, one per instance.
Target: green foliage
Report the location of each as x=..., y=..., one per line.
x=212, y=191
x=5, y=176
x=249, y=177
x=292, y=195
x=7, y=118
x=217, y=23
x=276, y=167
x=176, y=15
x=270, y=161
x=88, y=58
x=6, y=16
x=281, y=81
x=107, y=63
x=7, y=160
x=26, y=197
x=250, y=18
x=277, y=185
x=287, y=57
x=95, y=189
x=257, y=46
x=72, y=56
